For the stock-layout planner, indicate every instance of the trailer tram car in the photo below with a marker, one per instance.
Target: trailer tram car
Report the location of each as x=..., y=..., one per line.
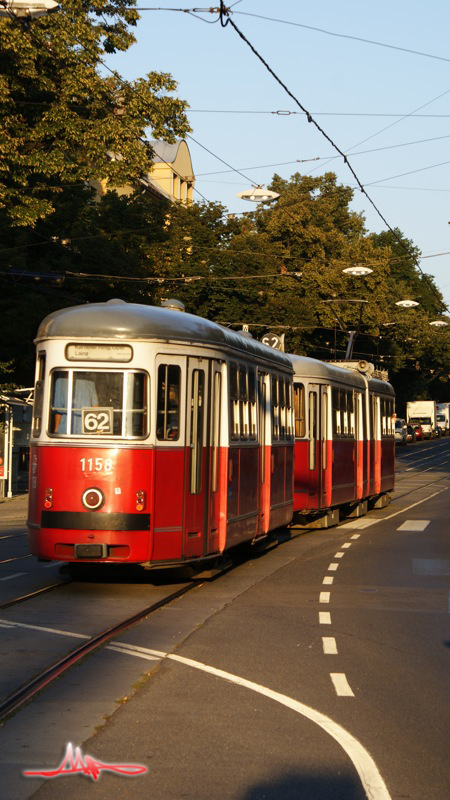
x=344, y=440
x=158, y=437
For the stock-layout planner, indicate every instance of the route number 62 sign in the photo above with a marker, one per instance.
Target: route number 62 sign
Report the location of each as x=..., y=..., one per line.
x=97, y=420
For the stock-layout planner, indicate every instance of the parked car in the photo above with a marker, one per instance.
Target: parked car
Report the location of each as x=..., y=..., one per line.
x=410, y=434
x=419, y=432
x=400, y=431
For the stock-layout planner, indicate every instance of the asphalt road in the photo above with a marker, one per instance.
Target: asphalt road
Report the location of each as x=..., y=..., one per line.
x=319, y=671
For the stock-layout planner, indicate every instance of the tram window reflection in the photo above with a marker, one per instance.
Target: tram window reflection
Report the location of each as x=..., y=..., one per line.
x=299, y=410
x=168, y=409
x=104, y=393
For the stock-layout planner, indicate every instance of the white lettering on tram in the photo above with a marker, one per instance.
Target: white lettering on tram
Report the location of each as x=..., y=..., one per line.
x=96, y=464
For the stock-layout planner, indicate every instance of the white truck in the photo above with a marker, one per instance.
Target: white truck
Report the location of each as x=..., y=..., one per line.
x=423, y=413
x=443, y=418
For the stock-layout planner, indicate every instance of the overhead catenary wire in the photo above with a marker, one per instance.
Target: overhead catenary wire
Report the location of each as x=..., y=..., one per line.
x=225, y=20
x=363, y=40
x=304, y=112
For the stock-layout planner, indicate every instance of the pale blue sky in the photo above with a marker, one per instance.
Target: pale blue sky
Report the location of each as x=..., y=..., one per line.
x=339, y=77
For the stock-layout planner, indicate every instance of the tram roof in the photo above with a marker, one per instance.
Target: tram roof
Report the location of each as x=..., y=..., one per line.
x=312, y=368
x=118, y=320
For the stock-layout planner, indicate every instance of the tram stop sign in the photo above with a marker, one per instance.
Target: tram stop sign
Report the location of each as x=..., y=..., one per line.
x=274, y=341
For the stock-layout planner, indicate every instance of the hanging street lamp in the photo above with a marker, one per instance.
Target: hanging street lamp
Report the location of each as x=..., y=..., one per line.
x=27, y=9
x=357, y=270
x=407, y=303
x=257, y=194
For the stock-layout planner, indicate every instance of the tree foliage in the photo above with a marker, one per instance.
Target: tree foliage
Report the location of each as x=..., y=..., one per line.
x=62, y=121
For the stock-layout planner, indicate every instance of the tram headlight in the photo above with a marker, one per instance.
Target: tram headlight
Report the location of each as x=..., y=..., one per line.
x=93, y=499
x=48, y=502
x=140, y=501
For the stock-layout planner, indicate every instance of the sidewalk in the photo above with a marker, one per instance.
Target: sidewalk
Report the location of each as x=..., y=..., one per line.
x=13, y=509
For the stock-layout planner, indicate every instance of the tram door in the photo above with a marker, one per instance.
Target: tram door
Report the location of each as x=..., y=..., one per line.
x=319, y=455
x=264, y=450
x=359, y=446
x=326, y=445
x=203, y=462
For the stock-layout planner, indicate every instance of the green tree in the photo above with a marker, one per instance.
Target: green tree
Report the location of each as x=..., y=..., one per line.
x=408, y=281
x=62, y=121
x=86, y=251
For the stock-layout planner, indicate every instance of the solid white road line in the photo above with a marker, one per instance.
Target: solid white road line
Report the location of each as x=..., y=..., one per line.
x=341, y=684
x=414, y=525
x=44, y=630
x=373, y=784
x=370, y=777
x=329, y=645
x=413, y=505
x=324, y=618
x=363, y=523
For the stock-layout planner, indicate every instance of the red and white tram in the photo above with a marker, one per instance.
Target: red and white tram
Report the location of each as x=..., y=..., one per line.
x=158, y=437
x=344, y=440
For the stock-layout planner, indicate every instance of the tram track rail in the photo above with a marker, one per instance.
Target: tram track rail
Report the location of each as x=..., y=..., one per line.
x=30, y=595
x=31, y=688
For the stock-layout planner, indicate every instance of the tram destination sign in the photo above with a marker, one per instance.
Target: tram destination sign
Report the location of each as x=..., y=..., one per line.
x=99, y=352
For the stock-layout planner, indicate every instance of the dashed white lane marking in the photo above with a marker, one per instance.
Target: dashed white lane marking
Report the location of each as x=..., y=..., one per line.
x=332, y=567
x=414, y=525
x=341, y=684
x=356, y=536
x=53, y=564
x=339, y=555
x=329, y=645
x=324, y=597
x=346, y=545
x=15, y=575
x=328, y=579
x=373, y=784
x=358, y=523
x=324, y=618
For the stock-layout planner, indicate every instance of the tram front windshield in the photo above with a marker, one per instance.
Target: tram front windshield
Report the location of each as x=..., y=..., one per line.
x=98, y=403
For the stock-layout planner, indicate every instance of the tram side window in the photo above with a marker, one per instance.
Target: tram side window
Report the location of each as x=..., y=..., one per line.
x=391, y=418
x=234, y=402
x=343, y=398
x=351, y=413
x=282, y=404
x=243, y=403
x=336, y=413
x=387, y=411
x=275, y=410
x=299, y=410
x=168, y=408
x=252, y=403
x=289, y=409
x=38, y=405
x=136, y=404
